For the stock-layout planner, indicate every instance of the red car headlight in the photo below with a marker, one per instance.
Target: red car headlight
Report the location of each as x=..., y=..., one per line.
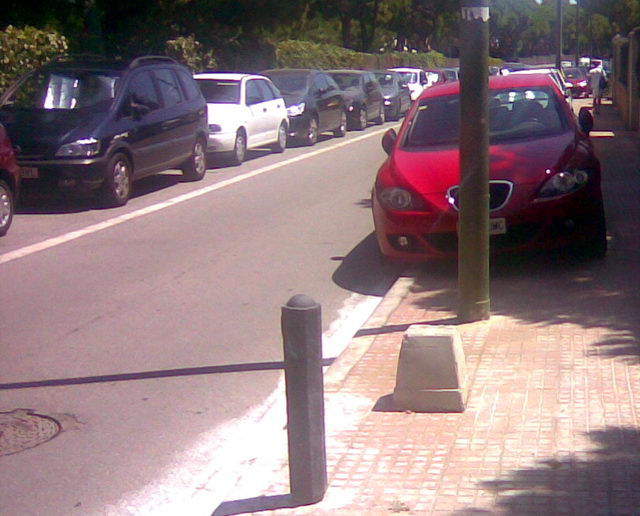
x=399, y=199
x=563, y=183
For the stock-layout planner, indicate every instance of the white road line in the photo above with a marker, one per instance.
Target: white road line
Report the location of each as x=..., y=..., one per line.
x=73, y=235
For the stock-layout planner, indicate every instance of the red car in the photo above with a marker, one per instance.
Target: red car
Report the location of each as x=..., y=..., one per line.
x=544, y=176
x=580, y=82
x=9, y=182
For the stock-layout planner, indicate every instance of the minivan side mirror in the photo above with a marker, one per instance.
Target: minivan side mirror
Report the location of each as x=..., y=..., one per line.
x=388, y=140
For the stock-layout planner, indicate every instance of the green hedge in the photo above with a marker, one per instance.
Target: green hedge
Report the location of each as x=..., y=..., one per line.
x=305, y=54
x=26, y=49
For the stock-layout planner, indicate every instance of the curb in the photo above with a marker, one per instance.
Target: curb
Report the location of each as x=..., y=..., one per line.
x=338, y=371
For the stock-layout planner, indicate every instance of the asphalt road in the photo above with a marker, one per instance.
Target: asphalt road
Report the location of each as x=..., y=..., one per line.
x=187, y=275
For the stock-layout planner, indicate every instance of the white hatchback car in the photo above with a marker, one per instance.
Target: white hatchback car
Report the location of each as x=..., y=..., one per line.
x=415, y=78
x=245, y=111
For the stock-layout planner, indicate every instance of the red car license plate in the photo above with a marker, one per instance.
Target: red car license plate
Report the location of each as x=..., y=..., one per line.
x=497, y=226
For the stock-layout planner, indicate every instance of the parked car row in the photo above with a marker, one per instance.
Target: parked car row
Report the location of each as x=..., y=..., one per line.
x=96, y=125
x=289, y=105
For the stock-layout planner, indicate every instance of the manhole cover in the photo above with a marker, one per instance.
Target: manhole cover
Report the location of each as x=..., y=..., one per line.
x=22, y=429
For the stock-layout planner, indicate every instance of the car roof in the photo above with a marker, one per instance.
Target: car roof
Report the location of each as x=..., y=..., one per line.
x=99, y=62
x=347, y=70
x=405, y=69
x=537, y=70
x=291, y=70
x=496, y=82
x=230, y=76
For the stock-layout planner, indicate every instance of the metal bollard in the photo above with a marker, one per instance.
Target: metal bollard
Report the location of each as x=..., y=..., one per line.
x=302, y=336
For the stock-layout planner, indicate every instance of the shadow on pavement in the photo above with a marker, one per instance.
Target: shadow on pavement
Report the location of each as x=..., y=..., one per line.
x=363, y=271
x=567, y=486
x=557, y=288
x=259, y=503
x=147, y=375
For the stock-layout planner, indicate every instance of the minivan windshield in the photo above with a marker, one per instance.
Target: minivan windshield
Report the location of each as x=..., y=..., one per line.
x=514, y=113
x=64, y=89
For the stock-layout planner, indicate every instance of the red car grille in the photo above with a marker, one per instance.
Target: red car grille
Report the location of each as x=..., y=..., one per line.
x=499, y=194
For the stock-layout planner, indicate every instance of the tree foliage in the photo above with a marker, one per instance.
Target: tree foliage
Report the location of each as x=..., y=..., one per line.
x=232, y=28
x=25, y=49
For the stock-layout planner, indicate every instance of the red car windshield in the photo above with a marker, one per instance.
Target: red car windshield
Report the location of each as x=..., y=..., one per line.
x=514, y=113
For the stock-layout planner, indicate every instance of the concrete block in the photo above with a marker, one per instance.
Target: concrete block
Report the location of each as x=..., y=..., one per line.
x=432, y=374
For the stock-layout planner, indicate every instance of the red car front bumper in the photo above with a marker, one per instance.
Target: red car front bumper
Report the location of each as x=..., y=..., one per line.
x=519, y=226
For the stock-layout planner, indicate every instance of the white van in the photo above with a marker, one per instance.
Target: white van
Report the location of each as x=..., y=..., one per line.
x=414, y=78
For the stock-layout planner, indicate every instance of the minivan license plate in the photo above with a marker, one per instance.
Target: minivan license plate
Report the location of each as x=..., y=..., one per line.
x=497, y=226
x=29, y=173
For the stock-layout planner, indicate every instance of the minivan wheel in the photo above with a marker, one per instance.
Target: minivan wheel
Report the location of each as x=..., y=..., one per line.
x=116, y=188
x=341, y=130
x=239, y=148
x=195, y=168
x=281, y=143
x=7, y=207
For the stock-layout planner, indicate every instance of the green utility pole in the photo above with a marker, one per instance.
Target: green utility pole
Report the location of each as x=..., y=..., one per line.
x=577, y=32
x=473, y=235
x=558, y=34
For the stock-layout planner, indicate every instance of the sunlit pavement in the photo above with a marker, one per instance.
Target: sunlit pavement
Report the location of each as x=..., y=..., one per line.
x=551, y=424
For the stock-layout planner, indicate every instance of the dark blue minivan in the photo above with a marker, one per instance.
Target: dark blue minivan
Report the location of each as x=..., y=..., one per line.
x=99, y=124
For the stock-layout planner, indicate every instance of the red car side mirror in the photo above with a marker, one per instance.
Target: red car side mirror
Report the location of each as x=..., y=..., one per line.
x=388, y=140
x=585, y=120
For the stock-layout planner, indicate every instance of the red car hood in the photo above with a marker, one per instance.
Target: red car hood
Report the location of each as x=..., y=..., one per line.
x=525, y=161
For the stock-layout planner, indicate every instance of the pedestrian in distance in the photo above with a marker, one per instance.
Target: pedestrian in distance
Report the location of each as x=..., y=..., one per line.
x=597, y=78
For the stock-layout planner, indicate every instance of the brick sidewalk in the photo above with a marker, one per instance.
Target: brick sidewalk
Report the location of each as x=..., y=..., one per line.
x=551, y=425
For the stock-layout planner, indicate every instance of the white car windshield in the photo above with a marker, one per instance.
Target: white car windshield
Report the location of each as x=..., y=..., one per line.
x=409, y=77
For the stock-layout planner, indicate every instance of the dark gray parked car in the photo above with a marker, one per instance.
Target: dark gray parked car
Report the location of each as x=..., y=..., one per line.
x=314, y=103
x=397, y=97
x=365, y=101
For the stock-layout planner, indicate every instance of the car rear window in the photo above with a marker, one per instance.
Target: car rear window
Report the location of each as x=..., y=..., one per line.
x=513, y=114
x=385, y=79
x=220, y=91
x=574, y=73
x=290, y=82
x=346, y=80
